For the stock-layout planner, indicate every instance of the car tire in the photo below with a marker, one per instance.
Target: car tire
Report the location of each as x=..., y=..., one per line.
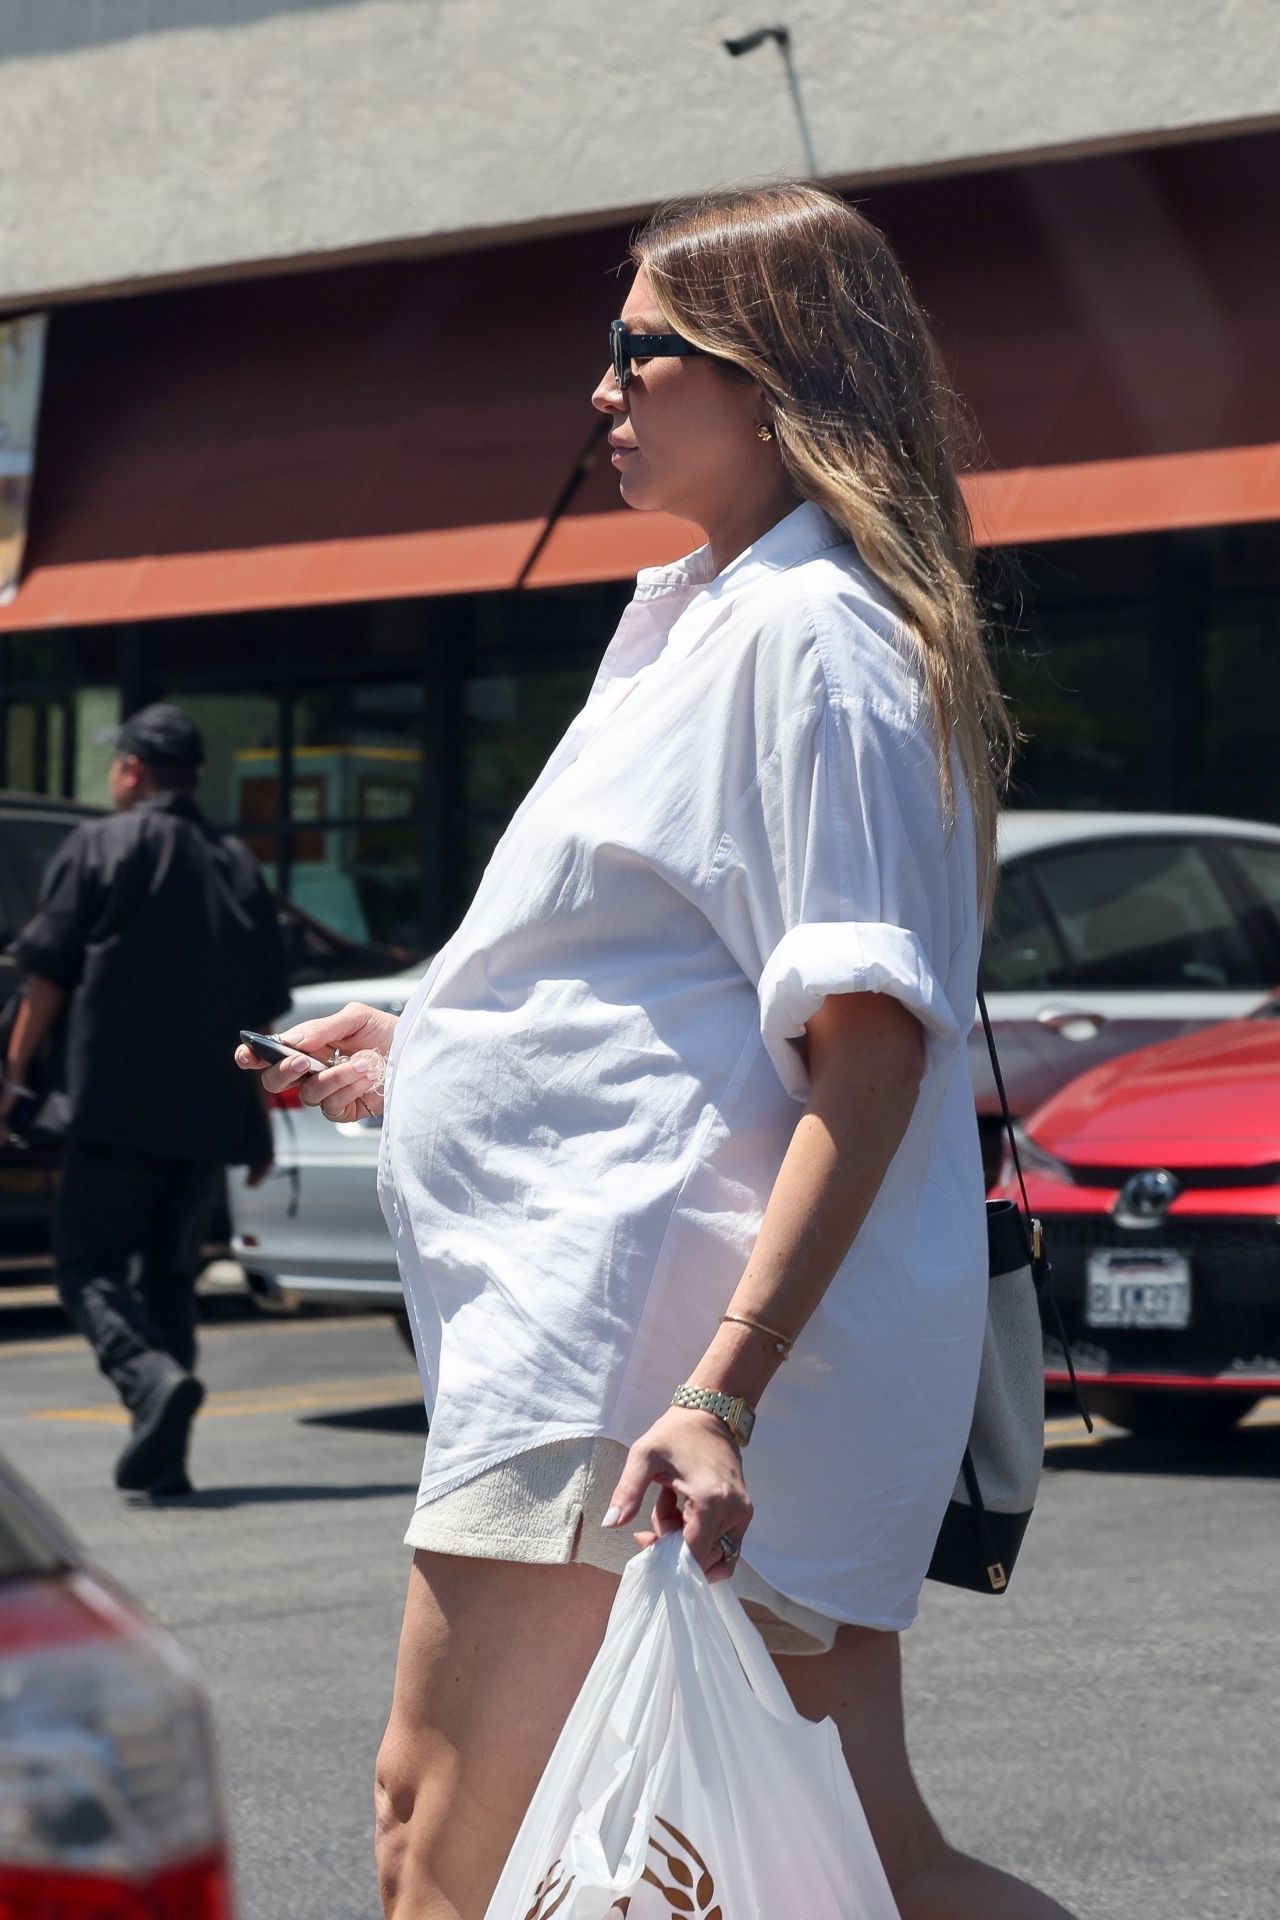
x=1170, y=1416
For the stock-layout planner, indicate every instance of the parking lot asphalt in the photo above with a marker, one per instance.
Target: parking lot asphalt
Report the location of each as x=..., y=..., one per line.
x=1109, y=1728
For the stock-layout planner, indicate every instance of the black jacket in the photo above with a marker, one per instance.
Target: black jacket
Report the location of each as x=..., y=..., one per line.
x=164, y=934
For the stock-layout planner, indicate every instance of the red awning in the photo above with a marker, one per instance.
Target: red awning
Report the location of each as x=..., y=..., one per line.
x=402, y=429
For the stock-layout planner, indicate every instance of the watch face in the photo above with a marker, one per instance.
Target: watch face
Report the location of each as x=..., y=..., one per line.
x=746, y=1420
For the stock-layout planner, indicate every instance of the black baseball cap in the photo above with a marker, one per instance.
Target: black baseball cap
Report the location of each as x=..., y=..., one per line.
x=160, y=736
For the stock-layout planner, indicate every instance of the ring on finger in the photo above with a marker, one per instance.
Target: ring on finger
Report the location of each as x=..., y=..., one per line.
x=729, y=1547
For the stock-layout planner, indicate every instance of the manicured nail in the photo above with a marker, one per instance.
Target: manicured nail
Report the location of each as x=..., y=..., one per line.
x=612, y=1518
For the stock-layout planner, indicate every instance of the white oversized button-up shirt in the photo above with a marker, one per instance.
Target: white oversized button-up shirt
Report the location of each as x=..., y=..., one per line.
x=592, y=1090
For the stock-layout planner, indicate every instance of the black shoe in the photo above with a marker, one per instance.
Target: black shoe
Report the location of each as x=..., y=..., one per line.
x=157, y=1447
x=174, y=1486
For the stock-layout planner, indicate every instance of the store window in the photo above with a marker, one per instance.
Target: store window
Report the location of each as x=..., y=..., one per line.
x=54, y=745
x=1240, y=705
x=241, y=732
x=1081, y=702
x=355, y=808
x=511, y=720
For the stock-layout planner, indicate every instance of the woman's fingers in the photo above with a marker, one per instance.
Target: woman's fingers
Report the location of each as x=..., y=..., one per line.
x=353, y=1027
x=707, y=1524
x=666, y=1517
x=628, y=1496
x=358, y=1037
x=343, y=1092
x=287, y=1073
x=323, y=1038
x=693, y=1497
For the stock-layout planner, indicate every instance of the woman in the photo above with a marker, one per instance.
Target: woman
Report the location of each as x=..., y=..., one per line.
x=687, y=1092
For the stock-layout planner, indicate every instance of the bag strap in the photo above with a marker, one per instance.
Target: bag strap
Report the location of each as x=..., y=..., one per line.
x=1041, y=1269
x=1030, y=1224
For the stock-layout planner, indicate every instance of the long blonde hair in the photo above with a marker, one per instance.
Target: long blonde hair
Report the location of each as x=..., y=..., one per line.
x=800, y=292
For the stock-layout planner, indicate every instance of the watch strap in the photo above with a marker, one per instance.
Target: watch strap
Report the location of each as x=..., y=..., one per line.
x=730, y=1408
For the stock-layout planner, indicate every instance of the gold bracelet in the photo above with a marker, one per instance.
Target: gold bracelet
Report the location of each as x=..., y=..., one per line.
x=782, y=1346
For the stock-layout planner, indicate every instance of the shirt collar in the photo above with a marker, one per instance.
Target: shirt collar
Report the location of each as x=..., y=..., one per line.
x=798, y=536
x=182, y=803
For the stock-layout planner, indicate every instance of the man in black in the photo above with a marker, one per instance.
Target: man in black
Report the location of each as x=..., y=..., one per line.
x=158, y=935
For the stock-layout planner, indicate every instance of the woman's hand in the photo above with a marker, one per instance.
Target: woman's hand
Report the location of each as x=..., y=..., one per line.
x=692, y=1457
x=353, y=1089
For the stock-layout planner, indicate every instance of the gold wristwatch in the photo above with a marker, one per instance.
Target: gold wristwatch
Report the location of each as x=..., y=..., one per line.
x=733, y=1410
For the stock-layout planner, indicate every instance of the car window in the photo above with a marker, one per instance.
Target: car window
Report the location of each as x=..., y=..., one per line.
x=26, y=848
x=1021, y=949
x=1261, y=867
x=1143, y=913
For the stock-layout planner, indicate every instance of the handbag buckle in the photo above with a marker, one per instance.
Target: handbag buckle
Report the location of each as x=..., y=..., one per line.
x=997, y=1576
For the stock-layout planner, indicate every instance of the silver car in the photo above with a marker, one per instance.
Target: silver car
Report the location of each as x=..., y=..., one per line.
x=314, y=1230
x=1111, y=931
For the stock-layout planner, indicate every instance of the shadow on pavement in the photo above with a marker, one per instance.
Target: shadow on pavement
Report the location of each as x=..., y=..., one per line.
x=23, y=1318
x=1252, y=1453
x=407, y=1416
x=208, y=1498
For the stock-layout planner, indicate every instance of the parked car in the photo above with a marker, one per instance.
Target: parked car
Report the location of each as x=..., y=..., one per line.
x=112, y=1804
x=32, y=829
x=1112, y=931
x=1157, y=1179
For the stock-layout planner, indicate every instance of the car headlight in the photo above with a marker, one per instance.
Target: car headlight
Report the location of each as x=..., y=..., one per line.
x=1035, y=1159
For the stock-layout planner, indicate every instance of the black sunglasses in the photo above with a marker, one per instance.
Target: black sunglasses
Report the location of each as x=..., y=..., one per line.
x=625, y=346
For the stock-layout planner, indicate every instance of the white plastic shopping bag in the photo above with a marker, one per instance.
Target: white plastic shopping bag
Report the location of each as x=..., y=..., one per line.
x=685, y=1786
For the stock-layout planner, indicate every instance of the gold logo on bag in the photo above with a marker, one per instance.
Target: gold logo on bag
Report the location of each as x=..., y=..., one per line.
x=685, y=1883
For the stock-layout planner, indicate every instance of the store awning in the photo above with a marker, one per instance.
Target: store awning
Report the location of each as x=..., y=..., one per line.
x=361, y=433
x=403, y=429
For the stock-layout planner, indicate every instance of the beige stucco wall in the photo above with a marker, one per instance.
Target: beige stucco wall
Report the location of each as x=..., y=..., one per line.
x=144, y=139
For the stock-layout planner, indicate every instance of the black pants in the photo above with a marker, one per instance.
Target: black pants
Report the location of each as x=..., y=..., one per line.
x=127, y=1233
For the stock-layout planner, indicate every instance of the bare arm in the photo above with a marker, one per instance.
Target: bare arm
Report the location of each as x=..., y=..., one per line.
x=40, y=1006
x=42, y=1002
x=866, y=1059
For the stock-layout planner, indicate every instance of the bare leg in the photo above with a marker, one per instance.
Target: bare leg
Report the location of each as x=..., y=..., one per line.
x=492, y=1656
x=859, y=1685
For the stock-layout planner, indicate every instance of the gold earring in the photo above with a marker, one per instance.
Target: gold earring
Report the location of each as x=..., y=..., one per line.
x=763, y=432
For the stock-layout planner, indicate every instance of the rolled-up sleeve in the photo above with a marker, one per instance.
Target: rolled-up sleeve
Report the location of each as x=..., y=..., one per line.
x=833, y=877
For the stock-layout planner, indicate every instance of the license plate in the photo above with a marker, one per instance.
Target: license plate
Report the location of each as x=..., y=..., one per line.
x=1138, y=1289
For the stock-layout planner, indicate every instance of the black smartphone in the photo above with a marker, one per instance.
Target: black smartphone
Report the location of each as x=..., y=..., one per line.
x=270, y=1049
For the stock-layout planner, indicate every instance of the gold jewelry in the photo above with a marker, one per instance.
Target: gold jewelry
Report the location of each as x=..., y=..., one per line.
x=730, y=1408
x=763, y=432
x=782, y=1345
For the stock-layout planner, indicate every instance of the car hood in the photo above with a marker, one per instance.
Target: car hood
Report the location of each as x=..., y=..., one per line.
x=388, y=990
x=1210, y=1099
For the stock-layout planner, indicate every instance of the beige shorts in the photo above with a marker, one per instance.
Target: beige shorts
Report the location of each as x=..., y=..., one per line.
x=545, y=1507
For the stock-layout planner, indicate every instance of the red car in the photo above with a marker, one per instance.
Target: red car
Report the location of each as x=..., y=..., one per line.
x=110, y=1796
x=1157, y=1178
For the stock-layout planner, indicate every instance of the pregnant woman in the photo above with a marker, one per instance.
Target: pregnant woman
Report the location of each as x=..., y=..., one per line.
x=680, y=1156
